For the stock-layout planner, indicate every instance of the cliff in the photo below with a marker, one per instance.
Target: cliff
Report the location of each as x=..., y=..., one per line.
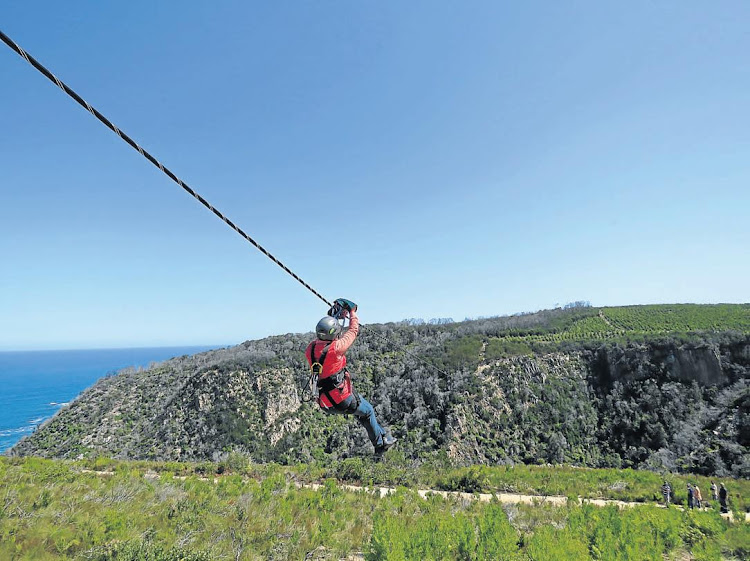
x=472, y=390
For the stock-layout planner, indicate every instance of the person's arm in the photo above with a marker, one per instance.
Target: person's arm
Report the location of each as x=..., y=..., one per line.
x=342, y=345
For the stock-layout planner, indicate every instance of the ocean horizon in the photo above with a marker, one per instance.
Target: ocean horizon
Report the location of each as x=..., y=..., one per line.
x=37, y=384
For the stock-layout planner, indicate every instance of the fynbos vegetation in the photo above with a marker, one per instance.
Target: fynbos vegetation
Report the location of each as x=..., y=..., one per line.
x=476, y=405
x=657, y=387
x=136, y=511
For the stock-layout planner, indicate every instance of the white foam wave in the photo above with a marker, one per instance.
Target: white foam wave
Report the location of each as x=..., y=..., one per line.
x=20, y=430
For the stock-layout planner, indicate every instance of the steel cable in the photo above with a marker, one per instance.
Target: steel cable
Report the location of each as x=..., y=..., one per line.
x=86, y=105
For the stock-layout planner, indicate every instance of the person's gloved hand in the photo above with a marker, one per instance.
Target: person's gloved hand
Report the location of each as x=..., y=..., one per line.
x=348, y=305
x=341, y=308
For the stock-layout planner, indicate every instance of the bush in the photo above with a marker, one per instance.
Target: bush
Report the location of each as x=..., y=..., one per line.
x=423, y=531
x=473, y=479
x=145, y=550
x=549, y=544
x=235, y=462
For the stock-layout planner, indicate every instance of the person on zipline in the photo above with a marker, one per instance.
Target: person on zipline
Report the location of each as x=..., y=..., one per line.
x=327, y=359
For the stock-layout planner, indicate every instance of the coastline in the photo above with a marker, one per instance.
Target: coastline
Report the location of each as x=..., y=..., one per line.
x=38, y=384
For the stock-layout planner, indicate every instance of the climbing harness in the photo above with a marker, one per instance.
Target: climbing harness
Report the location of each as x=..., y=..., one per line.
x=336, y=387
x=317, y=363
x=310, y=391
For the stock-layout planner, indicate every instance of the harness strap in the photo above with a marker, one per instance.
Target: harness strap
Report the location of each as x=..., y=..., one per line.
x=320, y=360
x=324, y=384
x=330, y=383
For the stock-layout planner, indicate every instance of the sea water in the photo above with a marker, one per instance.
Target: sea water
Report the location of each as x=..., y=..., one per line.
x=34, y=385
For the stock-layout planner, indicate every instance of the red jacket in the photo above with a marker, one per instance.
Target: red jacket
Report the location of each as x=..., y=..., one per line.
x=335, y=362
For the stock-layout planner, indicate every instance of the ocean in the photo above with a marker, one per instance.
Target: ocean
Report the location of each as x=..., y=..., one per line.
x=34, y=385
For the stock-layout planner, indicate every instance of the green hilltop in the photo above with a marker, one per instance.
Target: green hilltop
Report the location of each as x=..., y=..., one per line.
x=664, y=388
x=623, y=322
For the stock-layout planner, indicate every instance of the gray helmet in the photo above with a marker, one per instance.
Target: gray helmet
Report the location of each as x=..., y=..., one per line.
x=328, y=329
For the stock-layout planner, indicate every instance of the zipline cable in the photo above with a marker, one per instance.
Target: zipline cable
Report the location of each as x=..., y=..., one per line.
x=86, y=105
x=106, y=122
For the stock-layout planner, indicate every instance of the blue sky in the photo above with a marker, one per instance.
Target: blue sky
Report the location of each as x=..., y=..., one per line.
x=425, y=159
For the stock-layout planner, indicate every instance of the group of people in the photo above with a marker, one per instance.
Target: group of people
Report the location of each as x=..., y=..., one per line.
x=694, y=496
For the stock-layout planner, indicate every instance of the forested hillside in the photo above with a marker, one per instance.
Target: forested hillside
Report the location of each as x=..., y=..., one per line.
x=659, y=387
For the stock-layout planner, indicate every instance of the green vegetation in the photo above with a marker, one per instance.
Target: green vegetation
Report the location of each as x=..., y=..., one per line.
x=513, y=403
x=618, y=484
x=499, y=348
x=626, y=323
x=51, y=510
x=395, y=470
x=412, y=530
x=681, y=318
x=662, y=388
x=145, y=511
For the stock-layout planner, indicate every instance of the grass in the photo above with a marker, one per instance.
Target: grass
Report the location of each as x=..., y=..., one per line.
x=146, y=511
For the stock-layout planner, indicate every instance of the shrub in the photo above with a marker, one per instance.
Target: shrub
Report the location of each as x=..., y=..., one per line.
x=550, y=544
x=145, y=550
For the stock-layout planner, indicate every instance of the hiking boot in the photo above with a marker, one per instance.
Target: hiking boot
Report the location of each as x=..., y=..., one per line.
x=388, y=442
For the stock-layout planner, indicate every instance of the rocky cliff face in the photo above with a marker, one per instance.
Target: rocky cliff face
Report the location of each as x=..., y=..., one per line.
x=658, y=405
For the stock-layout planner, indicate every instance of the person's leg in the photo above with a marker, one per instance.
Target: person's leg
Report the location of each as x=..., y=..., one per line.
x=346, y=407
x=365, y=414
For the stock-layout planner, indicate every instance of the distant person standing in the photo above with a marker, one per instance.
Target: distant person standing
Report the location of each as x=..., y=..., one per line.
x=714, y=492
x=666, y=491
x=698, y=496
x=723, y=498
x=690, y=496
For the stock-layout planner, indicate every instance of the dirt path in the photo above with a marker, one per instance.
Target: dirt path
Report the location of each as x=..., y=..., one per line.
x=504, y=498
